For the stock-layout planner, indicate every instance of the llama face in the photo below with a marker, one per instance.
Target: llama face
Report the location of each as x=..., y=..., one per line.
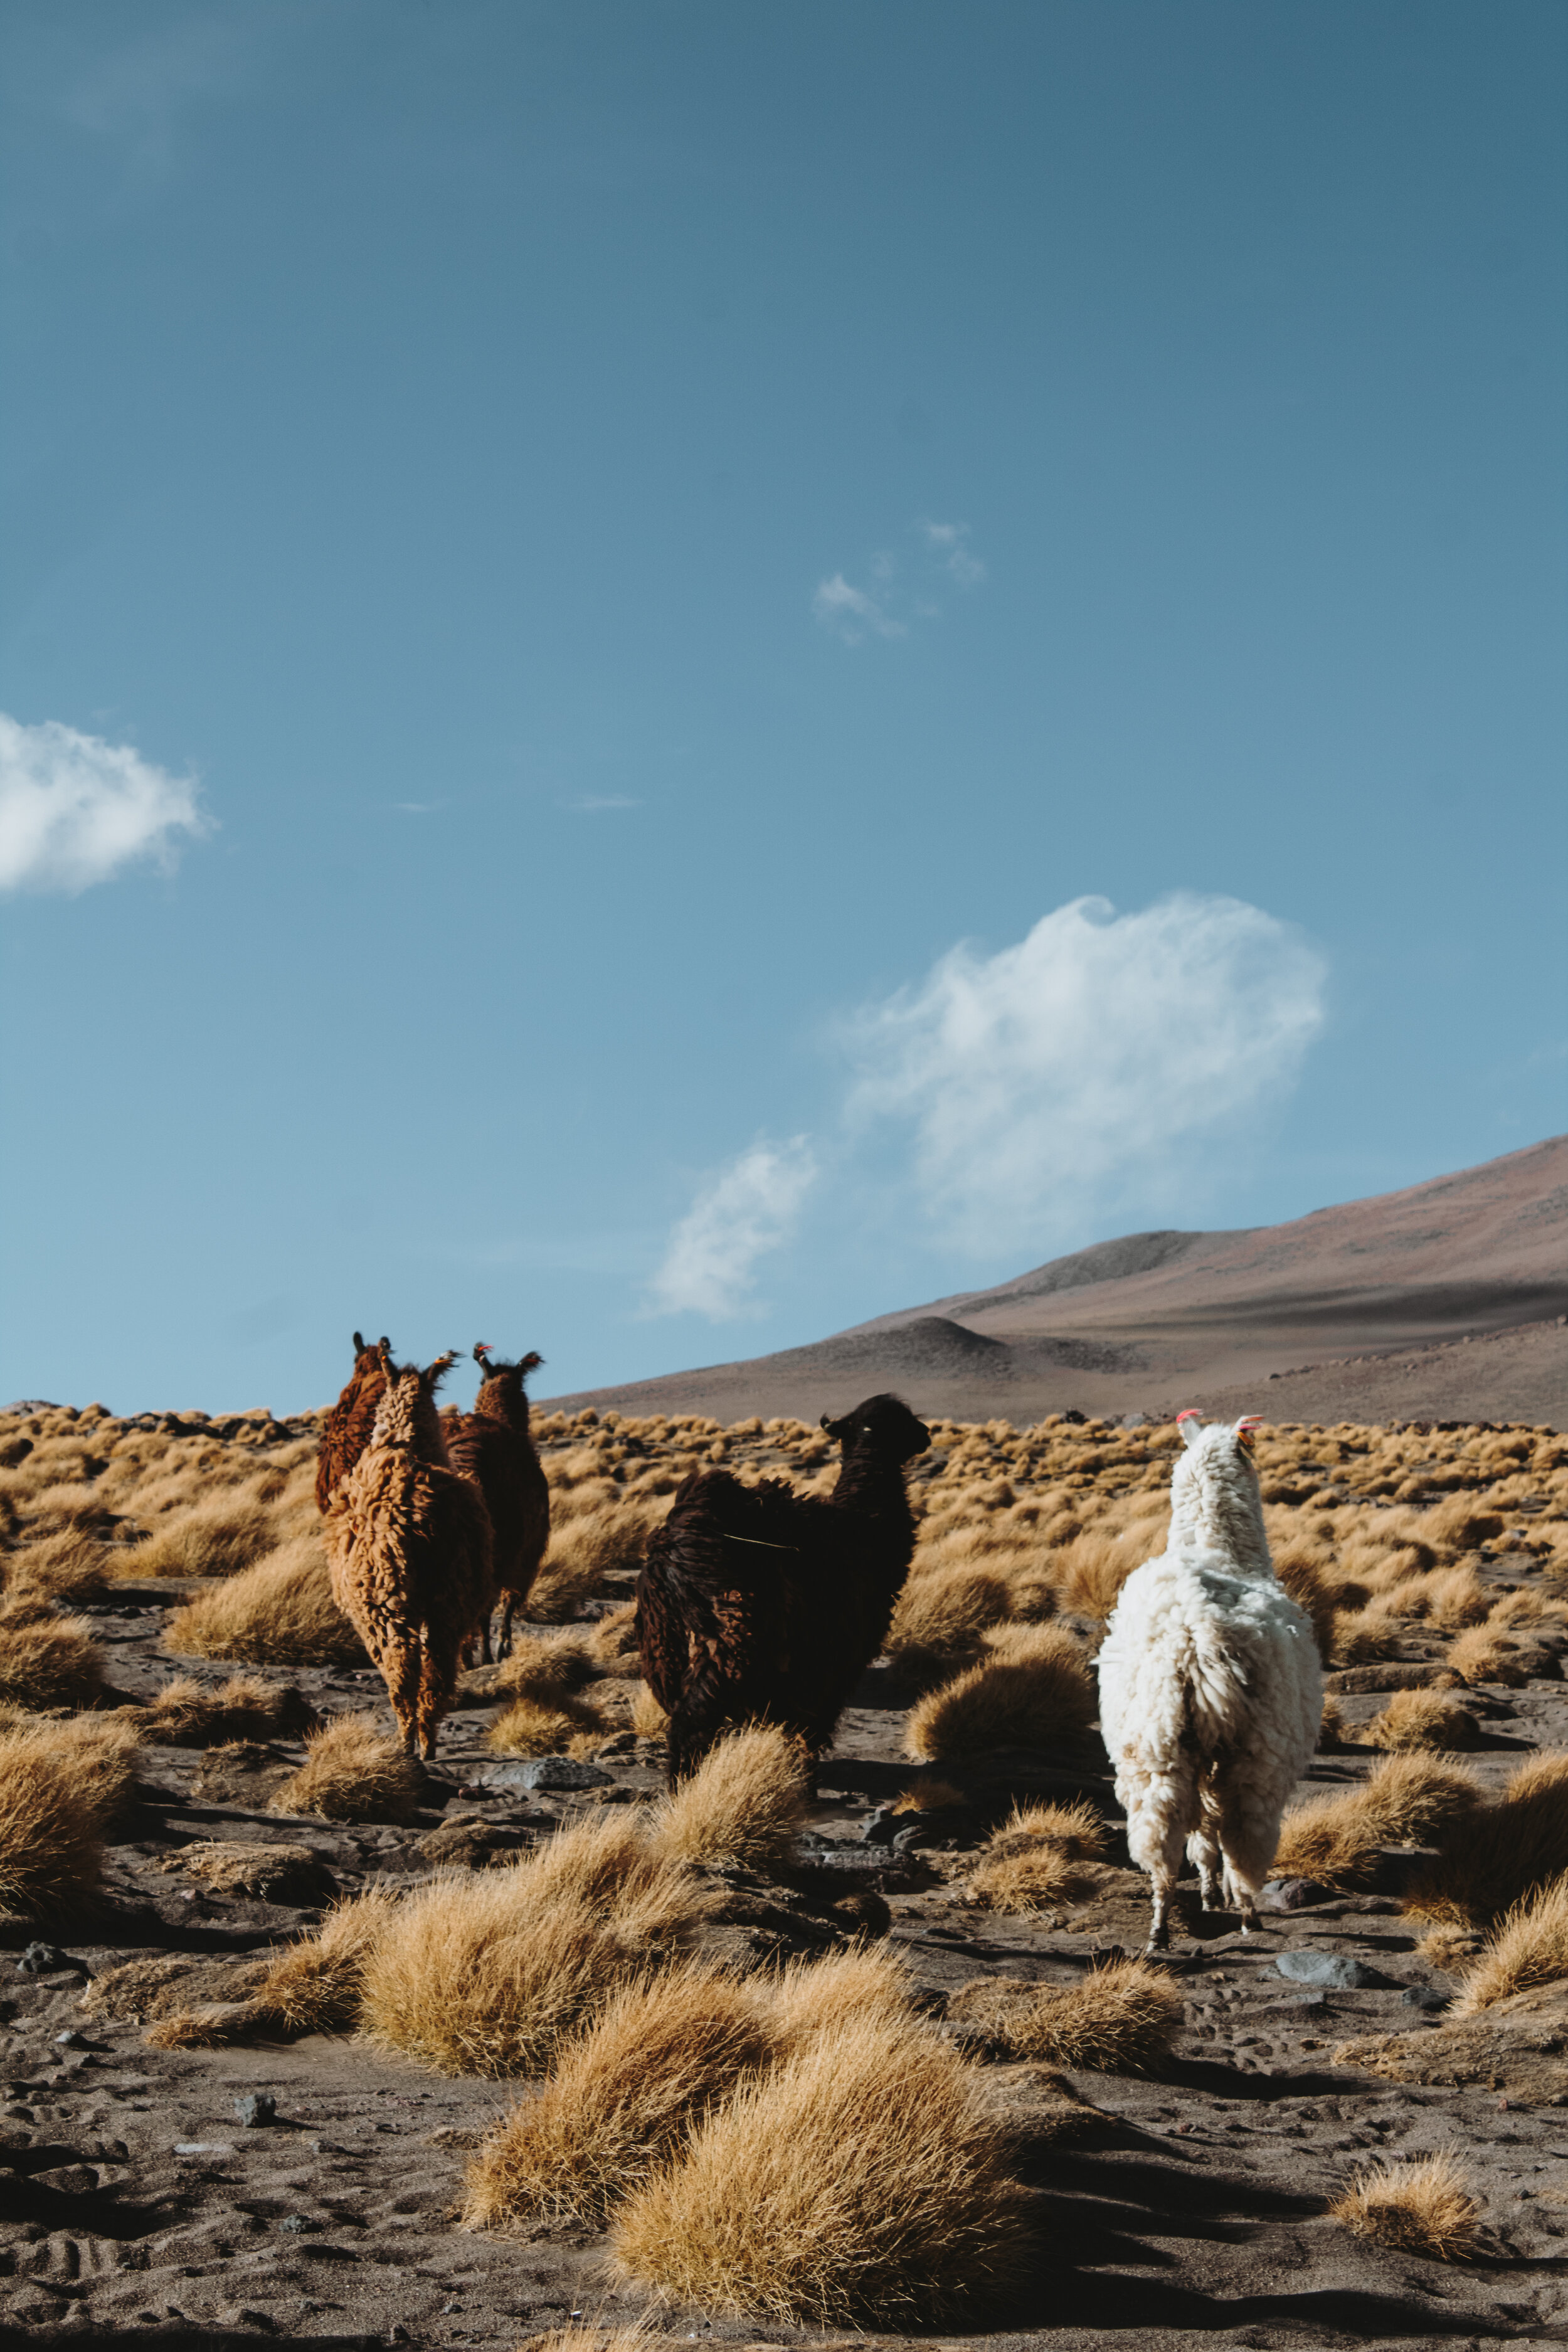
x=887, y=1423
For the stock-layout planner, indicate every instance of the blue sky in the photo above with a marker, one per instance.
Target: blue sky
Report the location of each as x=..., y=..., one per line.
x=590, y=590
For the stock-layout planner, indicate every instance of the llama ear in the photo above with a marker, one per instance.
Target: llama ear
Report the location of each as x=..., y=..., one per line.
x=1248, y=1427
x=359, y=1344
x=530, y=1362
x=1191, y=1424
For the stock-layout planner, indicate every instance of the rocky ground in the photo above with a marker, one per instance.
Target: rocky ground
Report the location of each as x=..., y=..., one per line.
x=142, y=2201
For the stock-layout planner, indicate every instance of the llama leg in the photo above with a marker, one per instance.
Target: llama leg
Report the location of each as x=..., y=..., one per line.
x=1248, y=1833
x=504, y=1647
x=1203, y=1851
x=437, y=1685
x=1162, y=1808
x=485, y=1658
x=399, y=1663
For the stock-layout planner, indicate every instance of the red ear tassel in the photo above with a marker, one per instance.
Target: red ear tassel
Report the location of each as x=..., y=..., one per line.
x=1192, y=1413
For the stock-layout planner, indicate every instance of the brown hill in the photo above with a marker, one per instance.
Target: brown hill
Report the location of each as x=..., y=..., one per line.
x=1447, y=1301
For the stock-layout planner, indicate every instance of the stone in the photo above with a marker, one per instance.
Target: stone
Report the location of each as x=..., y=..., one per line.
x=71, y=2040
x=298, y=2225
x=548, y=1772
x=1425, y=1997
x=269, y=1873
x=256, y=2107
x=1292, y=1894
x=878, y=1829
x=43, y=1959
x=1334, y=1972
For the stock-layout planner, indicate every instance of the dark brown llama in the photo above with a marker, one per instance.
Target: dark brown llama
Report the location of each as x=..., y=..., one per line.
x=492, y=1445
x=757, y=1604
x=345, y=1433
x=408, y=1544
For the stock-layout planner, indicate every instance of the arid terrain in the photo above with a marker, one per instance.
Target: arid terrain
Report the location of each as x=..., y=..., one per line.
x=223, y=1887
x=1444, y=1302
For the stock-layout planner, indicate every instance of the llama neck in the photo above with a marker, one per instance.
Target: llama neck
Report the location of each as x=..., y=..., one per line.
x=503, y=1400
x=870, y=1483
x=407, y=1417
x=1215, y=1513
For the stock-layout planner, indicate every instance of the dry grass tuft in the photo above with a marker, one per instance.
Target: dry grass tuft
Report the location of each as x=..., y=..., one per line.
x=650, y=1720
x=541, y=1724
x=622, y=2099
x=1404, y=1800
x=45, y=1660
x=1032, y=1689
x=218, y=1537
x=72, y=1565
x=486, y=1974
x=1035, y=1859
x=315, y=1986
x=545, y=1666
x=583, y=1550
x=928, y=1793
x=1530, y=1948
x=353, y=1772
x=60, y=1785
x=744, y=1803
x=1423, y=1719
x=1450, y=1947
x=1487, y=1654
x=1413, y=2208
x=866, y=2178
x=1120, y=2019
x=186, y=1715
x=278, y=1613
x=1502, y=1851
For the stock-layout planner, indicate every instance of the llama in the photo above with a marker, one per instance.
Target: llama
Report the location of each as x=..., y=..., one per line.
x=492, y=1446
x=756, y=1604
x=345, y=1433
x=408, y=1545
x=1210, y=1688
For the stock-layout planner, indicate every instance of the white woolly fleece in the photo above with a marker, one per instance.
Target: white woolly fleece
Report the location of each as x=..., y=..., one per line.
x=1210, y=1685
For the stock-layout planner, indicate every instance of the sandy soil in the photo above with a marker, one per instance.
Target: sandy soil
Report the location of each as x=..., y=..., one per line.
x=1366, y=1307
x=1189, y=2211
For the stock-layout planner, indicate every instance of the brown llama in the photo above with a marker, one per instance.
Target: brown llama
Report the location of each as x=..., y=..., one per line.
x=408, y=1544
x=492, y=1446
x=345, y=1433
x=759, y=1604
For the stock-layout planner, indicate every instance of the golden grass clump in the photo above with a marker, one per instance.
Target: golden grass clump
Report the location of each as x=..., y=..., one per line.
x=314, y=1986
x=744, y=1803
x=1120, y=2019
x=1530, y=1948
x=864, y=2179
x=184, y=1714
x=1450, y=1947
x=1404, y=1800
x=585, y=1549
x=927, y=1792
x=1501, y=1852
x=1032, y=1689
x=486, y=1974
x=353, y=1772
x=545, y=1663
x=1035, y=1859
x=1486, y=1654
x=613, y=1644
x=60, y=1785
x=650, y=1720
x=544, y=1724
x=622, y=2098
x=215, y=1537
x=941, y=1614
x=281, y=1613
x=70, y=1565
x=1413, y=2208
x=45, y=1660
x=1425, y=1720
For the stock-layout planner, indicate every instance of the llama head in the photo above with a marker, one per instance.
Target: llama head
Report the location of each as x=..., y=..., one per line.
x=511, y=1376
x=1215, y=1486
x=406, y=1413
x=884, y=1426
x=370, y=1355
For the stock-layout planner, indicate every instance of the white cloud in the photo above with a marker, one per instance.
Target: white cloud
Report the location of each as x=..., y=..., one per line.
x=74, y=809
x=1067, y=1071
x=851, y=614
x=748, y=1208
x=855, y=614
x=945, y=540
x=592, y=802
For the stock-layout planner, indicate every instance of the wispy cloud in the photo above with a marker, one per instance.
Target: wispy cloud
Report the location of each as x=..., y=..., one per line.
x=419, y=808
x=591, y=804
x=905, y=589
x=137, y=93
x=75, y=809
x=1071, y=1067
x=748, y=1208
x=851, y=614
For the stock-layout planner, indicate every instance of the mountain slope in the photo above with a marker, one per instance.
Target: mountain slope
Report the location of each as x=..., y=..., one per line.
x=1442, y=1301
